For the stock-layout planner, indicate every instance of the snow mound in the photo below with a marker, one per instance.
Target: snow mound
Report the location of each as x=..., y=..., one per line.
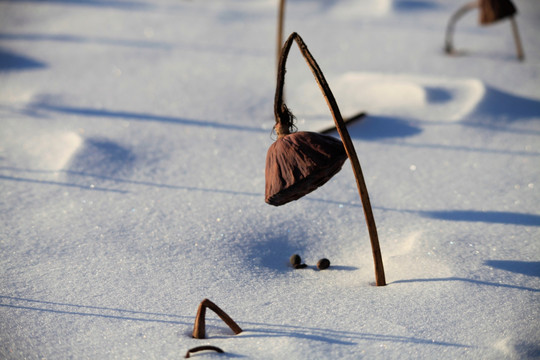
x=403, y=96
x=402, y=258
x=52, y=151
x=352, y=9
x=519, y=350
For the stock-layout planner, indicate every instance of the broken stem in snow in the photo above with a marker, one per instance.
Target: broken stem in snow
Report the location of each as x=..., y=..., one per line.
x=202, y=348
x=200, y=324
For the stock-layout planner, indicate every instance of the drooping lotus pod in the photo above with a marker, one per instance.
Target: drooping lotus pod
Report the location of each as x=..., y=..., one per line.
x=298, y=163
x=494, y=10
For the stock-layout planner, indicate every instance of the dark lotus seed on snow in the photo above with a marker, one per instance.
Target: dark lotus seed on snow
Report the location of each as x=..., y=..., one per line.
x=323, y=264
x=295, y=260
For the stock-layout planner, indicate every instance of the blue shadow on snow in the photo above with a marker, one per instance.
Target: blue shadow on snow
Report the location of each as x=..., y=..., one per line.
x=529, y=268
x=85, y=40
x=215, y=48
x=465, y=280
x=100, y=113
x=126, y=5
x=104, y=157
x=263, y=329
x=414, y=5
x=10, y=61
x=438, y=95
x=75, y=175
x=92, y=311
x=501, y=104
x=381, y=128
x=274, y=251
x=498, y=217
x=58, y=183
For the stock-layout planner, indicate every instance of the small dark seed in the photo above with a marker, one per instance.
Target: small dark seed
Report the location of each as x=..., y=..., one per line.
x=300, y=266
x=323, y=264
x=295, y=260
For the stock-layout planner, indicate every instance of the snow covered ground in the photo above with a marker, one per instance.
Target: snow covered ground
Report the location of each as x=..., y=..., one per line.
x=133, y=139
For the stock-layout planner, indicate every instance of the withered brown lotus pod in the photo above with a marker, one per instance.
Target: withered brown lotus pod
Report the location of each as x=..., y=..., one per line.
x=490, y=11
x=298, y=163
x=494, y=10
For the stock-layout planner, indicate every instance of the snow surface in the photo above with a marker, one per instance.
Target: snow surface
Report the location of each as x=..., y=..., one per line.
x=132, y=146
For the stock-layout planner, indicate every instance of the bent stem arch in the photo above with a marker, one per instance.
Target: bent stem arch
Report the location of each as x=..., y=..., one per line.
x=282, y=122
x=199, y=329
x=449, y=46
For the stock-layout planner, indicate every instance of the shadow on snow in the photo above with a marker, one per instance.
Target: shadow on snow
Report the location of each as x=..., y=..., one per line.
x=332, y=336
x=529, y=268
x=126, y=5
x=497, y=217
x=504, y=106
x=465, y=280
x=10, y=61
x=100, y=113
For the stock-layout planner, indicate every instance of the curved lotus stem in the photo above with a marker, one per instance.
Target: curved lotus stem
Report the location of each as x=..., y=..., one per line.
x=281, y=15
x=449, y=48
x=200, y=324
x=202, y=348
x=519, y=47
x=280, y=113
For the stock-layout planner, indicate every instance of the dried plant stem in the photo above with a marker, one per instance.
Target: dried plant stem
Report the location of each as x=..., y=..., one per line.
x=202, y=348
x=517, y=39
x=281, y=16
x=279, y=45
x=449, y=47
x=348, y=121
x=345, y=137
x=200, y=325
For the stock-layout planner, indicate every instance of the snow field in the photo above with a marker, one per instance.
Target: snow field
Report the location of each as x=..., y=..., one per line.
x=133, y=141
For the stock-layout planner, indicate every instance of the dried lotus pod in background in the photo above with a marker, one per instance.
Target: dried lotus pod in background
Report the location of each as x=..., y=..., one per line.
x=494, y=10
x=490, y=11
